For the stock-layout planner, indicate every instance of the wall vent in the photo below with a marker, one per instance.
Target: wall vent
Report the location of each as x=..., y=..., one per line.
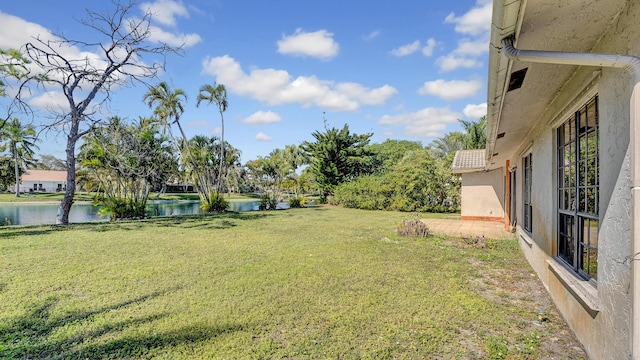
x=516, y=80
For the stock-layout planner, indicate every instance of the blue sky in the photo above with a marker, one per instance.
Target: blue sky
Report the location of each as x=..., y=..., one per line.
x=401, y=70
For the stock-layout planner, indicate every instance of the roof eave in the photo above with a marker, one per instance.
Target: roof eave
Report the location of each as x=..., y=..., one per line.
x=506, y=20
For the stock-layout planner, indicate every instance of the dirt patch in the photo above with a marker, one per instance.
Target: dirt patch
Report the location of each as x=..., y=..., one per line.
x=543, y=334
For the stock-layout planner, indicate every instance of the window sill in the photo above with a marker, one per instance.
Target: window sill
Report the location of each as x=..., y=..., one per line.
x=582, y=290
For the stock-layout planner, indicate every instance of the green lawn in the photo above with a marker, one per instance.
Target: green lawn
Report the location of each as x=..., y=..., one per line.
x=42, y=197
x=310, y=283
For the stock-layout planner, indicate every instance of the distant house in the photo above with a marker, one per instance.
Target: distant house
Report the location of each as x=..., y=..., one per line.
x=563, y=127
x=43, y=181
x=482, y=191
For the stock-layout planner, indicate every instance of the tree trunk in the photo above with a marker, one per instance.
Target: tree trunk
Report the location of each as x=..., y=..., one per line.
x=221, y=153
x=16, y=169
x=202, y=186
x=62, y=217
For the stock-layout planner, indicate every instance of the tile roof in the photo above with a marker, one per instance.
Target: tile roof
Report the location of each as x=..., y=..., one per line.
x=44, y=175
x=468, y=161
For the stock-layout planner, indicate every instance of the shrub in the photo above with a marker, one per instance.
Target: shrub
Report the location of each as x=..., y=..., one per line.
x=413, y=228
x=267, y=202
x=123, y=208
x=216, y=203
x=418, y=182
x=297, y=202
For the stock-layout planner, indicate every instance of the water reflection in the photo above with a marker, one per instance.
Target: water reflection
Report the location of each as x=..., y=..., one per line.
x=45, y=213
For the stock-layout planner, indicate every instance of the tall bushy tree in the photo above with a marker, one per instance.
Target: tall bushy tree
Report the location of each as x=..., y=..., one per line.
x=473, y=137
x=6, y=173
x=476, y=133
x=386, y=154
x=449, y=143
x=336, y=156
x=216, y=94
x=418, y=182
x=207, y=152
x=126, y=161
x=125, y=42
x=168, y=107
x=267, y=176
x=20, y=141
x=50, y=162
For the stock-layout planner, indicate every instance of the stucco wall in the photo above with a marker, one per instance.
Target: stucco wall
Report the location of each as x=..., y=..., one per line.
x=483, y=195
x=606, y=332
x=49, y=186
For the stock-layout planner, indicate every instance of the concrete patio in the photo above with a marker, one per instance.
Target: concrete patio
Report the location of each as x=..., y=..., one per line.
x=468, y=228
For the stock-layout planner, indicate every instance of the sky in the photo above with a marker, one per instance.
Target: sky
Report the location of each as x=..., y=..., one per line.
x=405, y=69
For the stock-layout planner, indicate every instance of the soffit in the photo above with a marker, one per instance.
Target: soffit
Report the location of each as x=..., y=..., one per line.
x=551, y=25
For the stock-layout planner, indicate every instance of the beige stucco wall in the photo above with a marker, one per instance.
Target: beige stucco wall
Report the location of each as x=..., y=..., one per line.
x=48, y=186
x=605, y=333
x=483, y=194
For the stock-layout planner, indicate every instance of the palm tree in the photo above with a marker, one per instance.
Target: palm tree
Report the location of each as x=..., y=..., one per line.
x=476, y=133
x=21, y=141
x=216, y=94
x=168, y=105
x=296, y=157
x=450, y=143
x=235, y=170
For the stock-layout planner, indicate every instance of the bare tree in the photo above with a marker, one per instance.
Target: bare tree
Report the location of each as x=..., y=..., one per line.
x=119, y=61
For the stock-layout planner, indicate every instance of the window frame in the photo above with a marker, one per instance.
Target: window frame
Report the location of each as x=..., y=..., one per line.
x=527, y=207
x=578, y=187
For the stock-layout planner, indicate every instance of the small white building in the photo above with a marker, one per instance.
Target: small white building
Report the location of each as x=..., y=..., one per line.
x=482, y=191
x=43, y=181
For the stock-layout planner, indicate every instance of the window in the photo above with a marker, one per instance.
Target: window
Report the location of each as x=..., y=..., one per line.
x=578, y=191
x=526, y=195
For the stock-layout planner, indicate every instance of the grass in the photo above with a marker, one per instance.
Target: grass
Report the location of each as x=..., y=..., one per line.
x=309, y=283
x=42, y=197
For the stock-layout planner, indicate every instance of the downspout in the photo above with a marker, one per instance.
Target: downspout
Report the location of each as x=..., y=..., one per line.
x=632, y=65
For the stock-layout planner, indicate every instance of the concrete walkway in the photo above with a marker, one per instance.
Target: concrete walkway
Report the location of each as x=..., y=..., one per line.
x=468, y=228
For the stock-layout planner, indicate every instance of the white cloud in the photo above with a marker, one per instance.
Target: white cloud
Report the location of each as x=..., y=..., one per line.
x=450, y=90
x=426, y=123
x=428, y=48
x=407, y=49
x=475, y=21
x=472, y=111
x=372, y=35
x=165, y=11
x=263, y=137
x=451, y=62
x=51, y=100
x=10, y=38
x=365, y=95
x=318, y=44
x=474, y=47
x=262, y=117
x=173, y=39
x=277, y=87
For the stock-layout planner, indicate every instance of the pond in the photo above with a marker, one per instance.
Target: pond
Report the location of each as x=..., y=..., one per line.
x=45, y=213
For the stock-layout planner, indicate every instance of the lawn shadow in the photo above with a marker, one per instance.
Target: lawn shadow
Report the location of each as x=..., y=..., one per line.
x=204, y=221
x=10, y=232
x=36, y=334
x=213, y=221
